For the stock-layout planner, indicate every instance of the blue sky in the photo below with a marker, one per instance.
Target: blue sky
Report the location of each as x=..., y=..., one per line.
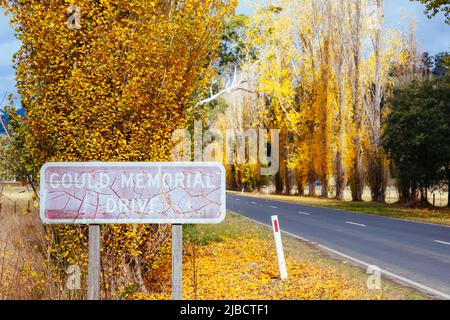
x=8, y=45
x=433, y=35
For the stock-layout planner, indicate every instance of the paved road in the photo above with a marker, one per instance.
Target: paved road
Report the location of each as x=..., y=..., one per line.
x=412, y=252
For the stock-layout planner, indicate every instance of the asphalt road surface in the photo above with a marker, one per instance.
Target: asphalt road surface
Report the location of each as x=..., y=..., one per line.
x=417, y=254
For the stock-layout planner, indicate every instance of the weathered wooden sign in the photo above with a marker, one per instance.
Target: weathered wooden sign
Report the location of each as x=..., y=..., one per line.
x=98, y=193
x=132, y=193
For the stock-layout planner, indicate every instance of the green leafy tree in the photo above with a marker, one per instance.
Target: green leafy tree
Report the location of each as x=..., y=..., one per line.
x=436, y=6
x=232, y=48
x=417, y=137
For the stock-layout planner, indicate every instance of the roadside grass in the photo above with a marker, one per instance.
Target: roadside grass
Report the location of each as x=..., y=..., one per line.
x=23, y=270
x=439, y=215
x=297, y=252
x=233, y=227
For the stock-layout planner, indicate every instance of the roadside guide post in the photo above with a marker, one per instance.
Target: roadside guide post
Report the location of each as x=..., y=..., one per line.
x=177, y=262
x=96, y=193
x=279, y=247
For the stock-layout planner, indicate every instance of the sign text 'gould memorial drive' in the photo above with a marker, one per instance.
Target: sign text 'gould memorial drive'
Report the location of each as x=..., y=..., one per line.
x=132, y=193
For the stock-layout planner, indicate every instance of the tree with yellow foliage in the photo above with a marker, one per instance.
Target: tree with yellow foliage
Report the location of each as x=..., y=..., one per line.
x=110, y=80
x=270, y=37
x=323, y=68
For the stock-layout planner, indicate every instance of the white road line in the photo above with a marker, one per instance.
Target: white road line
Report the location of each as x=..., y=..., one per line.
x=304, y=213
x=273, y=207
x=363, y=263
x=442, y=242
x=390, y=274
x=356, y=224
x=253, y=202
x=238, y=199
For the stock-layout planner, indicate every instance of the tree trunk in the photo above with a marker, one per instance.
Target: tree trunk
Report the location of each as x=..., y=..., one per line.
x=231, y=183
x=414, y=194
x=139, y=279
x=300, y=184
x=258, y=177
x=404, y=192
x=237, y=178
x=300, y=188
x=377, y=177
x=423, y=195
x=287, y=180
x=324, y=182
x=282, y=183
x=325, y=79
x=312, y=185
x=447, y=171
x=356, y=177
x=340, y=187
x=378, y=174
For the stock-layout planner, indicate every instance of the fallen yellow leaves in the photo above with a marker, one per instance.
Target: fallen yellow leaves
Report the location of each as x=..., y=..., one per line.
x=247, y=268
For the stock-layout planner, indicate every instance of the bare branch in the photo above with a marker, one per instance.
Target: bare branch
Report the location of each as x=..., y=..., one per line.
x=221, y=93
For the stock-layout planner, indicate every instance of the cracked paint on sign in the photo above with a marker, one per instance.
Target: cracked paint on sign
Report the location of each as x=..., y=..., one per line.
x=83, y=193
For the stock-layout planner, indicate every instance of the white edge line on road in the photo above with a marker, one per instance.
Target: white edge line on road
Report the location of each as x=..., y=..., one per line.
x=253, y=202
x=304, y=213
x=273, y=207
x=356, y=224
x=390, y=274
x=442, y=242
x=360, y=262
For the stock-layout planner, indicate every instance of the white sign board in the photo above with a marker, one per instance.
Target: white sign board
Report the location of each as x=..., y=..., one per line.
x=132, y=193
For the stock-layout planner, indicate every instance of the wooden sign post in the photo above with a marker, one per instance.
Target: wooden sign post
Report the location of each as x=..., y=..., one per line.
x=94, y=263
x=177, y=262
x=96, y=193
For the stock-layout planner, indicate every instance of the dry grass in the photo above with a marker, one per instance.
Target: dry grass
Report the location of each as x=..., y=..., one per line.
x=34, y=258
x=25, y=271
x=20, y=242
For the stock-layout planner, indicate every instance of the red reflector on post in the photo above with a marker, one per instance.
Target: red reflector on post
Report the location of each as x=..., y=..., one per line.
x=275, y=223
